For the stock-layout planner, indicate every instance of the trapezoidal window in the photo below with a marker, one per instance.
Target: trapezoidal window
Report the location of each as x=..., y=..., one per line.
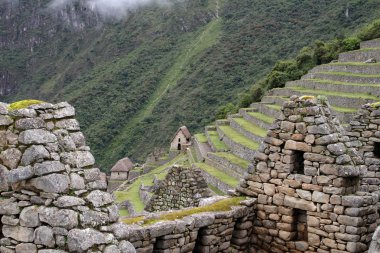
x=300, y=222
x=299, y=166
x=376, y=149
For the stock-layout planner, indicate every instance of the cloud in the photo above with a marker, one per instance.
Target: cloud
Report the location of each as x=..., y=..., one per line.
x=108, y=8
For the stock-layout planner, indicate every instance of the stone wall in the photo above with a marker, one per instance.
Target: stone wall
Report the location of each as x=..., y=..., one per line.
x=306, y=179
x=182, y=187
x=227, y=231
x=364, y=133
x=53, y=196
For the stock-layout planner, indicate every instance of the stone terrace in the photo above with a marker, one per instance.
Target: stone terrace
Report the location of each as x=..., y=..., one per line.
x=229, y=145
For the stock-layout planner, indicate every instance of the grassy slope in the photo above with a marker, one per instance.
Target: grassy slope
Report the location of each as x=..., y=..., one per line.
x=194, y=47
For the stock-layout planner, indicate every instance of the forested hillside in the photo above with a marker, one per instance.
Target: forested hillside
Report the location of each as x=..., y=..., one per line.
x=135, y=81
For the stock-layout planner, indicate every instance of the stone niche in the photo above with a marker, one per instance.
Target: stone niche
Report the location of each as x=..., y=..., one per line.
x=53, y=199
x=307, y=176
x=182, y=187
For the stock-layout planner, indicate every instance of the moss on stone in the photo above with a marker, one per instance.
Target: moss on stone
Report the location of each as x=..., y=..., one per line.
x=220, y=206
x=23, y=104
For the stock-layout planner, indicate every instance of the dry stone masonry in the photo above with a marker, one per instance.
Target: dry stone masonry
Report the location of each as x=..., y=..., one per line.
x=364, y=133
x=53, y=199
x=307, y=177
x=183, y=187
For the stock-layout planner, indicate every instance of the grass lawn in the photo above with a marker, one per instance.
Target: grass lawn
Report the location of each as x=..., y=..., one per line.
x=234, y=159
x=342, y=83
x=227, y=179
x=274, y=107
x=250, y=127
x=132, y=193
x=239, y=138
x=354, y=64
x=335, y=93
x=201, y=138
x=216, y=142
x=349, y=74
x=262, y=117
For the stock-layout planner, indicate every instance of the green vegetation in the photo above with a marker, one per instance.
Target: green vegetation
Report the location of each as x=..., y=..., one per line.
x=350, y=74
x=375, y=105
x=344, y=109
x=24, y=104
x=239, y=138
x=335, y=93
x=164, y=67
x=220, y=206
x=227, y=179
x=201, y=138
x=342, y=83
x=216, y=142
x=234, y=159
x=123, y=212
x=216, y=190
x=262, y=117
x=274, y=107
x=250, y=127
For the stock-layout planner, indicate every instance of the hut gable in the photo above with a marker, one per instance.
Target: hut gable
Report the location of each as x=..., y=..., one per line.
x=181, y=140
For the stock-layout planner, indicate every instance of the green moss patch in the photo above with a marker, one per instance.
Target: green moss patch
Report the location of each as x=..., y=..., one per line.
x=220, y=206
x=24, y=104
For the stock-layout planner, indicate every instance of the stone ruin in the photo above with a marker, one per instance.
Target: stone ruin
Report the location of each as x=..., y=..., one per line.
x=312, y=190
x=53, y=199
x=181, y=188
x=307, y=180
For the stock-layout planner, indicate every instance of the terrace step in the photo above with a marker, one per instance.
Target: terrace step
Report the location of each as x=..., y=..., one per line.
x=217, y=178
x=239, y=144
x=328, y=85
x=267, y=109
x=248, y=129
x=235, y=165
x=201, y=146
x=214, y=141
x=349, y=67
x=339, y=99
x=279, y=100
x=360, y=55
x=344, y=77
x=256, y=118
x=370, y=43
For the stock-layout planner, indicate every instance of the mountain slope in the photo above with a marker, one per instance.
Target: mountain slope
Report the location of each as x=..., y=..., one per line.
x=135, y=82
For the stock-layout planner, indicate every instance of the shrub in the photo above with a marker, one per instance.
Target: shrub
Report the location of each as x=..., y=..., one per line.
x=371, y=31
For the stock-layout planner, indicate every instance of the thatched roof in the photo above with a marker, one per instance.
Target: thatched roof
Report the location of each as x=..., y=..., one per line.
x=123, y=165
x=185, y=132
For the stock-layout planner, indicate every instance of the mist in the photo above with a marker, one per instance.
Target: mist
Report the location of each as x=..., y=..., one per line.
x=116, y=9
